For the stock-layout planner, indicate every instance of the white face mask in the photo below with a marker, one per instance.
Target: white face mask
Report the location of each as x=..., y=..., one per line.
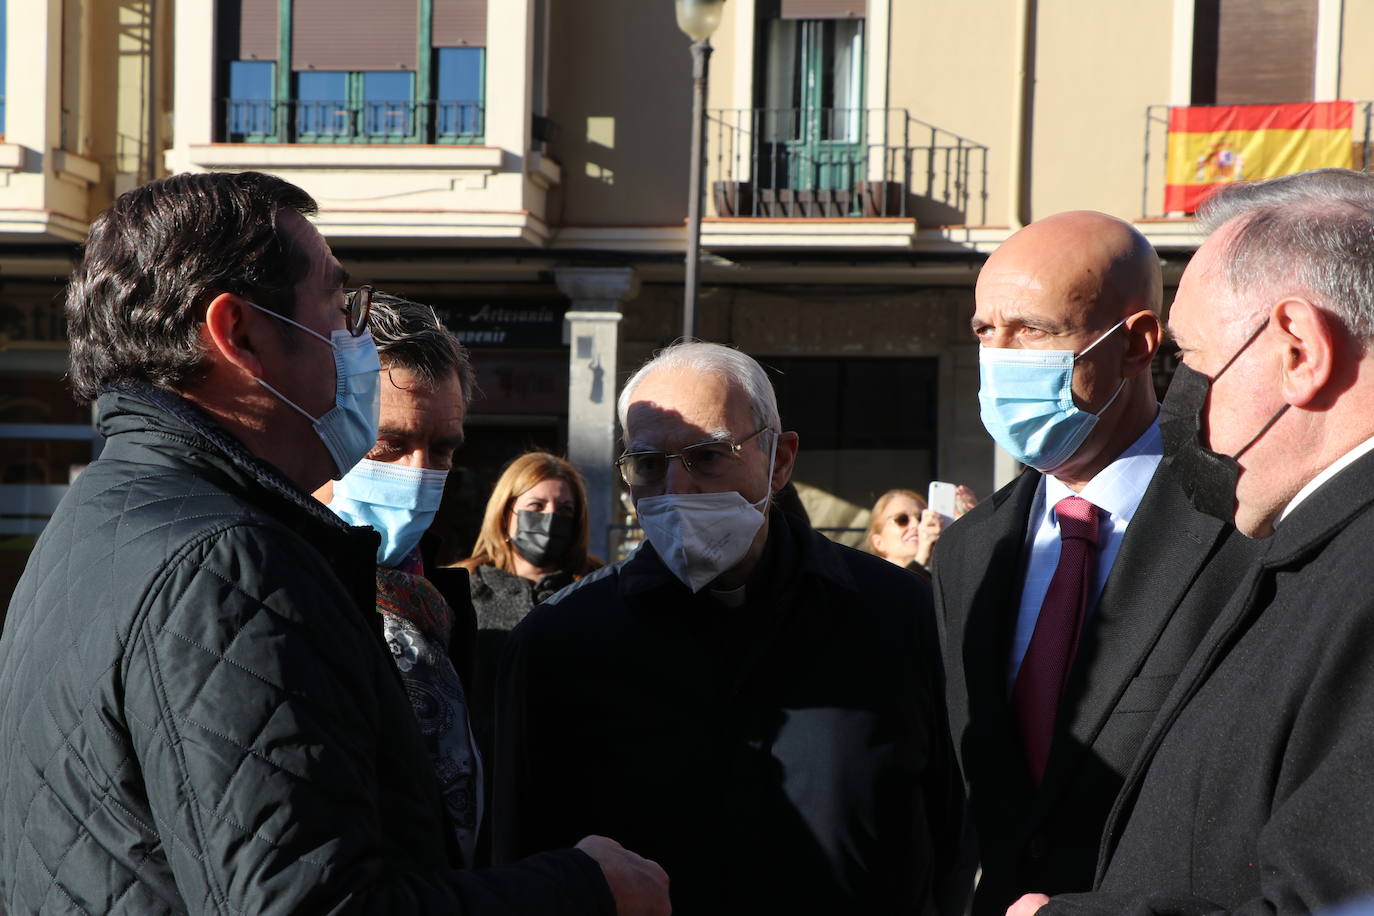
x=700, y=536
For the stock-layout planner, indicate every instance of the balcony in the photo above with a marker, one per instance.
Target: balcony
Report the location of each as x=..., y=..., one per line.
x=837, y=177
x=387, y=172
x=338, y=121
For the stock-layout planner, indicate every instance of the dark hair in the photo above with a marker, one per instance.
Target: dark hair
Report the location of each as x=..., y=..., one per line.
x=155, y=259
x=410, y=335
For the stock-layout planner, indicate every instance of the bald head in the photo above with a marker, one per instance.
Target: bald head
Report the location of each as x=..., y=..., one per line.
x=1089, y=284
x=1091, y=260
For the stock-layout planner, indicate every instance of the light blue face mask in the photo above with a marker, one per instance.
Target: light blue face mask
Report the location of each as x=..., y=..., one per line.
x=349, y=428
x=1026, y=401
x=399, y=501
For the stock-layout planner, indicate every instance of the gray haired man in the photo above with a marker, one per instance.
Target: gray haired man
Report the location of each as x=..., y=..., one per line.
x=1251, y=793
x=757, y=707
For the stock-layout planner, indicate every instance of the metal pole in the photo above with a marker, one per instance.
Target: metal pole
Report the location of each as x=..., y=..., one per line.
x=1145, y=167
x=701, y=59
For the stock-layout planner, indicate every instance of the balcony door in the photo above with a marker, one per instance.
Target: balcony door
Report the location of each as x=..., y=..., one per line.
x=813, y=119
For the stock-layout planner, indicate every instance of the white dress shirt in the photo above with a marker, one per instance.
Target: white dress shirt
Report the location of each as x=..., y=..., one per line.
x=1331, y=470
x=1116, y=491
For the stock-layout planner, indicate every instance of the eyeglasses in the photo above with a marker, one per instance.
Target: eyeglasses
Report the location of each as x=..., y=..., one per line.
x=358, y=308
x=708, y=460
x=902, y=519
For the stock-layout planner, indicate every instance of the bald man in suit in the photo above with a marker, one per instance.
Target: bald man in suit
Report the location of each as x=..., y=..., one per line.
x=1079, y=292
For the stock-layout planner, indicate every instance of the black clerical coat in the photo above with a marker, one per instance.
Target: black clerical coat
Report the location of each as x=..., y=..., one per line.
x=787, y=756
x=1174, y=571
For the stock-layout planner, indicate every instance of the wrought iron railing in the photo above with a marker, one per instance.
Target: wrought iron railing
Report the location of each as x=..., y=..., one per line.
x=339, y=121
x=1155, y=176
x=842, y=162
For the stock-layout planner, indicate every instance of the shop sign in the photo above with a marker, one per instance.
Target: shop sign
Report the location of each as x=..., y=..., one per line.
x=507, y=323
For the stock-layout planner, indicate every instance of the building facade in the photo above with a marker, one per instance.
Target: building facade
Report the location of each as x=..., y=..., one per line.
x=523, y=166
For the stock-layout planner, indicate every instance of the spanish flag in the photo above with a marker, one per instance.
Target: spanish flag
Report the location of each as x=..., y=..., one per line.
x=1209, y=146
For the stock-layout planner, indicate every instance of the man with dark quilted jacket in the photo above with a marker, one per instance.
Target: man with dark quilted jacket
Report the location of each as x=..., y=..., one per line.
x=197, y=710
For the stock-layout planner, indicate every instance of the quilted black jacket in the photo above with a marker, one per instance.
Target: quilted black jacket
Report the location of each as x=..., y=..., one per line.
x=197, y=712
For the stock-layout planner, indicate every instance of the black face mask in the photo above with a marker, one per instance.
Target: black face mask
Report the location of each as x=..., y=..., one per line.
x=1208, y=478
x=543, y=538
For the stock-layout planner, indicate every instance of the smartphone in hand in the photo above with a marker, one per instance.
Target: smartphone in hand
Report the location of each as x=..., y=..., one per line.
x=941, y=499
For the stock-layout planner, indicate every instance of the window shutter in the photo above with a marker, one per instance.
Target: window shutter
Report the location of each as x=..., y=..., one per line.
x=1266, y=51
x=824, y=9
x=248, y=29
x=459, y=23
x=354, y=35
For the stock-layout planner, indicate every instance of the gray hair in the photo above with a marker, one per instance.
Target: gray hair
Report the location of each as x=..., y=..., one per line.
x=1313, y=231
x=410, y=335
x=735, y=366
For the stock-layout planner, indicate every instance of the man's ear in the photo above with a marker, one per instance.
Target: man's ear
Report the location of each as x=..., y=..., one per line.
x=1309, y=337
x=784, y=461
x=230, y=329
x=1143, y=334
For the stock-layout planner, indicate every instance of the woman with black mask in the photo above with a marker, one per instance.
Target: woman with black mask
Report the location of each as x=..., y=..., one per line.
x=533, y=542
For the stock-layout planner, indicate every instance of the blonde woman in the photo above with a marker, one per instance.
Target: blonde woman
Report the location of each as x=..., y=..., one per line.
x=902, y=530
x=533, y=542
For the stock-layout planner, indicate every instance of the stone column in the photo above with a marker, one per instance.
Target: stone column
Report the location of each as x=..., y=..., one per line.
x=1005, y=469
x=593, y=326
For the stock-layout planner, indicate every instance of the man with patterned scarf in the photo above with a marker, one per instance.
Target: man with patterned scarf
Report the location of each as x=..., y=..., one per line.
x=427, y=382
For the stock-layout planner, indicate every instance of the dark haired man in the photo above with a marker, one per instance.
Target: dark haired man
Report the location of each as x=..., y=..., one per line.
x=426, y=612
x=196, y=709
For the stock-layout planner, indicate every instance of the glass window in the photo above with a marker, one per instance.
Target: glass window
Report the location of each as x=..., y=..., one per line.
x=251, y=79
x=812, y=121
x=388, y=109
x=842, y=63
x=458, y=93
x=322, y=104
x=250, y=111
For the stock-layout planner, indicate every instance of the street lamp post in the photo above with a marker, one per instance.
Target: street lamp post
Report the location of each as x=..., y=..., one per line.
x=698, y=19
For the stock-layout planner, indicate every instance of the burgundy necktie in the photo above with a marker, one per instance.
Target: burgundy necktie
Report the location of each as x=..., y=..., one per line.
x=1045, y=669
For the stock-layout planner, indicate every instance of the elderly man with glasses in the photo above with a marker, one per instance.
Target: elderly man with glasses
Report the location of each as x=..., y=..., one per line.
x=753, y=706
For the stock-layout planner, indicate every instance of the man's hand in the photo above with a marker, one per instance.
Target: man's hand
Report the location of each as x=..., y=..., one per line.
x=639, y=886
x=1027, y=905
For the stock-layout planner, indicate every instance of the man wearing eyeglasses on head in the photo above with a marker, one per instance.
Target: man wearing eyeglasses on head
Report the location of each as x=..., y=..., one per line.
x=198, y=712
x=750, y=704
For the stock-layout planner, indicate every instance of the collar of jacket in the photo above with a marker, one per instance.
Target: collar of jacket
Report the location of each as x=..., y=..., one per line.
x=794, y=550
x=1322, y=515
x=145, y=423
x=502, y=583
